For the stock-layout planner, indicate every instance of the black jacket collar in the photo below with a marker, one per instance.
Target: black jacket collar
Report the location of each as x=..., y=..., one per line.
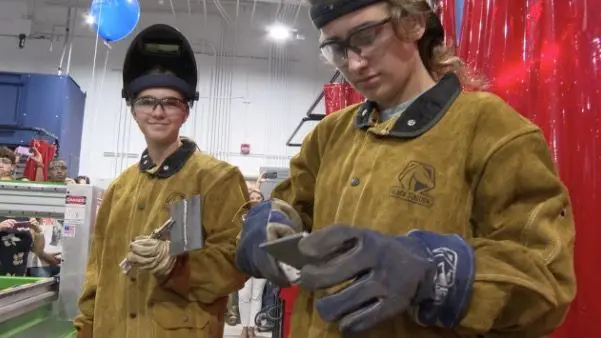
x=172, y=164
x=422, y=114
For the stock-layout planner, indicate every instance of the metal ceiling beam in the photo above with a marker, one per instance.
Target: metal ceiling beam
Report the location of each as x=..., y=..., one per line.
x=180, y=6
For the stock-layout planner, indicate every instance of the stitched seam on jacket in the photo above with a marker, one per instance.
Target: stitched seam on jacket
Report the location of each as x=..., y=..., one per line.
x=555, y=243
x=498, y=146
x=533, y=214
x=553, y=254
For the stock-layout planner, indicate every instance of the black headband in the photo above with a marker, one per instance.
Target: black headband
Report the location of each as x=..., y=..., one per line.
x=160, y=81
x=322, y=14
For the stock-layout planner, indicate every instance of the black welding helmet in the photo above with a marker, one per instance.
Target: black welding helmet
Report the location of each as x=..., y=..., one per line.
x=160, y=57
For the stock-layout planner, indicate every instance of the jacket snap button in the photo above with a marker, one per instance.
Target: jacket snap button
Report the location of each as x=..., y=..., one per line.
x=355, y=181
x=411, y=123
x=185, y=319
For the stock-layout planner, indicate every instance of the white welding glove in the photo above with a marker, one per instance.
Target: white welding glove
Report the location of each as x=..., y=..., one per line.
x=291, y=273
x=152, y=255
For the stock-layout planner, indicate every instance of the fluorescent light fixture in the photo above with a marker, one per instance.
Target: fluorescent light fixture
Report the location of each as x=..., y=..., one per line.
x=279, y=32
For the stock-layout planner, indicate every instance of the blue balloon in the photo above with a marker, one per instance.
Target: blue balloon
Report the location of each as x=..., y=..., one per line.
x=115, y=19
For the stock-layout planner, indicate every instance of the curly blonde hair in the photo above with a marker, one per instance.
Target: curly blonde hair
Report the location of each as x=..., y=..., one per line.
x=439, y=58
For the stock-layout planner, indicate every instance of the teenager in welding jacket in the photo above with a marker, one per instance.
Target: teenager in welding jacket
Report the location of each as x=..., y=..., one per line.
x=163, y=296
x=433, y=212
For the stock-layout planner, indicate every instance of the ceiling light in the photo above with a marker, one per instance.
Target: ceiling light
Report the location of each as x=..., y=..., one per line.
x=279, y=32
x=89, y=19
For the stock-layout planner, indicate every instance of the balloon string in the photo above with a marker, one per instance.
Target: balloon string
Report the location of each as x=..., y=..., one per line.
x=106, y=62
x=91, y=89
x=96, y=47
x=172, y=7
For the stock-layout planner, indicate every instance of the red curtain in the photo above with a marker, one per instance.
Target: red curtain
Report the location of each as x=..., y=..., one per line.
x=288, y=295
x=47, y=150
x=446, y=13
x=544, y=58
x=340, y=95
x=334, y=97
x=353, y=96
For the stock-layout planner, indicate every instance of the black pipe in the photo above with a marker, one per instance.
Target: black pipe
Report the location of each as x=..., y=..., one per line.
x=313, y=117
x=278, y=331
x=321, y=95
x=309, y=115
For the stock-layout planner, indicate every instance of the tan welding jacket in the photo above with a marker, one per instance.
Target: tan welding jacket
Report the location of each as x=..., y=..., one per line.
x=192, y=302
x=453, y=162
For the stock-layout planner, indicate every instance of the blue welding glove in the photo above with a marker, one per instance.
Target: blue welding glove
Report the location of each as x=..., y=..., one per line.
x=428, y=274
x=267, y=221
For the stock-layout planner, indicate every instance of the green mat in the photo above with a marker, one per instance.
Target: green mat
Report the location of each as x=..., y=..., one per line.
x=12, y=281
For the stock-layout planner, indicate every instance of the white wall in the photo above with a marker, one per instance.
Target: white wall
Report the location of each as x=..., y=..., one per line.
x=252, y=91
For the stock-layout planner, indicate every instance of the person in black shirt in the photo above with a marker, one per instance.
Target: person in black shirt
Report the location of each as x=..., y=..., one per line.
x=17, y=236
x=17, y=240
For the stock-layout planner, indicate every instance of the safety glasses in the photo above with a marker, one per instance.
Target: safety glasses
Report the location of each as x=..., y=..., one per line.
x=361, y=40
x=171, y=105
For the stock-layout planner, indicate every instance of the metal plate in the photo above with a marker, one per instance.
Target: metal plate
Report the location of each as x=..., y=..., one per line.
x=186, y=233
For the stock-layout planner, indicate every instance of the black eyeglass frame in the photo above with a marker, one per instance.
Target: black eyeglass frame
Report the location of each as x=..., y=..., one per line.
x=160, y=102
x=346, y=43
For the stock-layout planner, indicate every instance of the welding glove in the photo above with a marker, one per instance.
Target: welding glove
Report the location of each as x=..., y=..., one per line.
x=152, y=255
x=267, y=221
x=427, y=274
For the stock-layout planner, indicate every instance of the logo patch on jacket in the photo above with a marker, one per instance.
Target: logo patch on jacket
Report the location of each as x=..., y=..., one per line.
x=416, y=180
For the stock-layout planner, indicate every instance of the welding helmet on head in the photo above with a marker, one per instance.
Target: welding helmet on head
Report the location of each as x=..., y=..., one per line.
x=160, y=57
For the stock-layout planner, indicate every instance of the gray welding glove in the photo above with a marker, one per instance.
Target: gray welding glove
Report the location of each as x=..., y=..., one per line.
x=428, y=274
x=267, y=221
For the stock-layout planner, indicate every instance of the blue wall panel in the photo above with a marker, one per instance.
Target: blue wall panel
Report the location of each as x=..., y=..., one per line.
x=11, y=98
x=71, y=131
x=51, y=102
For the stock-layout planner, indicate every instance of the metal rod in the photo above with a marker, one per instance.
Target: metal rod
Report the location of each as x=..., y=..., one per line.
x=18, y=308
x=32, y=199
x=66, y=42
x=309, y=115
x=321, y=95
x=27, y=290
x=32, y=187
x=298, y=127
